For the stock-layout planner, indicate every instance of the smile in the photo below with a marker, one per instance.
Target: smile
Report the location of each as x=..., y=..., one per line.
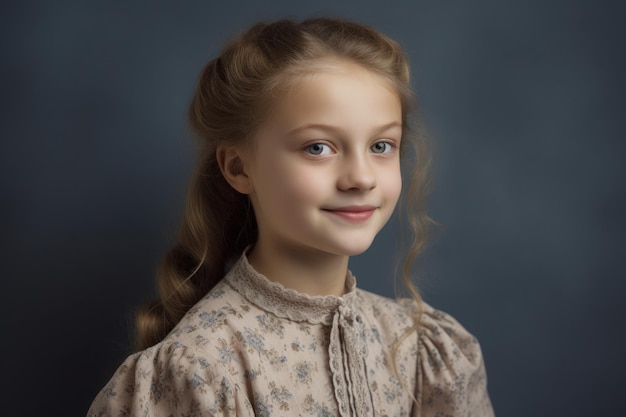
x=353, y=213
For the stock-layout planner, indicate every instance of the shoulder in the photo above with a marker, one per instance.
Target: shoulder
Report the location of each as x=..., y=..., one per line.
x=183, y=373
x=216, y=315
x=401, y=315
x=169, y=378
x=450, y=376
x=435, y=325
x=441, y=339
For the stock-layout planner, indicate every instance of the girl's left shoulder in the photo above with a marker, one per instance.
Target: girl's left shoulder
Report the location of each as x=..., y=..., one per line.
x=450, y=371
x=401, y=313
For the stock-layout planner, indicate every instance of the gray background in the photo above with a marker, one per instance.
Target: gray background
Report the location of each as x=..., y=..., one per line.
x=523, y=98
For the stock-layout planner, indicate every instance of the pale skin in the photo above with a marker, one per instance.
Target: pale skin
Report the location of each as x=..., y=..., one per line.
x=323, y=175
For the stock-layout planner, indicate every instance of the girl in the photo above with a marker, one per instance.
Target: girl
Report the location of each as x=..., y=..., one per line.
x=303, y=126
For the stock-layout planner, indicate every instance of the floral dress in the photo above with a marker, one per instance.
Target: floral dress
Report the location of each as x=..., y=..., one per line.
x=251, y=347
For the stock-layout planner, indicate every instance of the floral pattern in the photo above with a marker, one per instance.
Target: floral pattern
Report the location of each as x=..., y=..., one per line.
x=254, y=348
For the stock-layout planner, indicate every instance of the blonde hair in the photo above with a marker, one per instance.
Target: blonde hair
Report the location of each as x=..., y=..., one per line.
x=228, y=105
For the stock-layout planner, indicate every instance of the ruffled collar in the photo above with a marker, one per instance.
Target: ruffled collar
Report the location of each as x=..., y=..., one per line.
x=288, y=303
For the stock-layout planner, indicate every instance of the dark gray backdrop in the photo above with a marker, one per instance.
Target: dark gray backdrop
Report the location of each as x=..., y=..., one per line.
x=523, y=98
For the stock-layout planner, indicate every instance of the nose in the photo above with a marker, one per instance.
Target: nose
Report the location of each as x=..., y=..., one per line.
x=356, y=174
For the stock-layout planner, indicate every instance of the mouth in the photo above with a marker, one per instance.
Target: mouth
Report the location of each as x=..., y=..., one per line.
x=353, y=213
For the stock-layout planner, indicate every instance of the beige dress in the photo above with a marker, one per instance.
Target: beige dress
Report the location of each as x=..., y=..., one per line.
x=254, y=348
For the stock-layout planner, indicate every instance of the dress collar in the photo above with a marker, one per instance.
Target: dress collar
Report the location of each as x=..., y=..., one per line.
x=284, y=302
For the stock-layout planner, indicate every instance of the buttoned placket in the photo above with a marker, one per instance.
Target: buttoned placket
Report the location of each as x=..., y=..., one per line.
x=347, y=352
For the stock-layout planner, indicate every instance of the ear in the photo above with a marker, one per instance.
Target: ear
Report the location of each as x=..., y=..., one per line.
x=230, y=160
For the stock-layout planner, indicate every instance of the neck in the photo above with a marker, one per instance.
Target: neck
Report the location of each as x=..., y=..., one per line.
x=304, y=270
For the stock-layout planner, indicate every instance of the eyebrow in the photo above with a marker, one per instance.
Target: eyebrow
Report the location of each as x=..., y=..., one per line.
x=331, y=128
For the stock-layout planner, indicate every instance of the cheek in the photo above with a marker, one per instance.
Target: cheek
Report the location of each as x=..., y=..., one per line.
x=288, y=185
x=391, y=183
x=301, y=186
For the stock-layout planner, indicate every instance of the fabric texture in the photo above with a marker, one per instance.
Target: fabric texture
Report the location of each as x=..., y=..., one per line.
x=252, y=347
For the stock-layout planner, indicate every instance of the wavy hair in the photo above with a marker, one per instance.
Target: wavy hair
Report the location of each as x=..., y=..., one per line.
x=233, y=92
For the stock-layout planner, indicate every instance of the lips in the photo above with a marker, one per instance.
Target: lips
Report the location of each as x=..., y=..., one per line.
x=353, y=213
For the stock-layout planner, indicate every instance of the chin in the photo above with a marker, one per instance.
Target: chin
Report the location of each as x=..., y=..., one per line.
x=355, y=249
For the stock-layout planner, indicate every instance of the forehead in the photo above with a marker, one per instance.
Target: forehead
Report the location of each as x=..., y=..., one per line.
x=338, y=93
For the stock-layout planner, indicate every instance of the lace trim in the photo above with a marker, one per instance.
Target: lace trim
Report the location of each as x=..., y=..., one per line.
x=347, y=347
x=347, y=352
x=284, y=302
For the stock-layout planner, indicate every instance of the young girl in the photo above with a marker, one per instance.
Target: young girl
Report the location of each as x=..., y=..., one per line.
x=303, y=127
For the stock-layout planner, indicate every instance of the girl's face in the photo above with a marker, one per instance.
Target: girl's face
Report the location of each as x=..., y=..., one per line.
x=324, y=168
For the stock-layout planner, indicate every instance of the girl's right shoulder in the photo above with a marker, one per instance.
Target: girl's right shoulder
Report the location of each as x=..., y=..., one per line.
x=170, y=379
x=185, y=373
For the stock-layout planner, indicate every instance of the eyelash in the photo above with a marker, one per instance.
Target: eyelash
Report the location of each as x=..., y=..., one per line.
x=388, y=149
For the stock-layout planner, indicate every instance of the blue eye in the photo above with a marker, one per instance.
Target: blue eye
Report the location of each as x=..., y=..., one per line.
x=318, y=149
x=381, y=147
